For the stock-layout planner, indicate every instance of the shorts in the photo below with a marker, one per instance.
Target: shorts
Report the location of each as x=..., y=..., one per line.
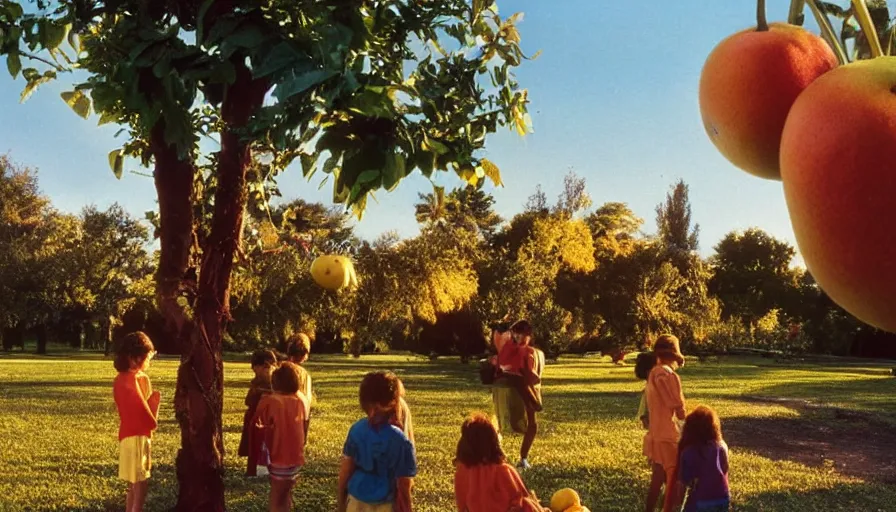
x=664, y=453
x=290, y=473
x=134, y=461
x=355, y=505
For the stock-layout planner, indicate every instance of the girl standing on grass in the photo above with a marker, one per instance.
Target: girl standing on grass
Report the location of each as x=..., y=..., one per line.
x=252, y=439
x=138, y=410
x=665, y=405
x=703, y=462
x=378, y=460
x=483, y=481
x=282, y=414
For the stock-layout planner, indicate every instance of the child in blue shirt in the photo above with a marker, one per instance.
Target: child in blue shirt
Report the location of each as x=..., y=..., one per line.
x=378, y=464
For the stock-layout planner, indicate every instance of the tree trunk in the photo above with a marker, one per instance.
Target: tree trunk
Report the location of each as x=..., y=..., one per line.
x=106, y=326
x=199, y=395
x=41, y=333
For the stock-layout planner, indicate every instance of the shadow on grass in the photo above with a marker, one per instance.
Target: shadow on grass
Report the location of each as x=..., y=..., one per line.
x=865, y=497
x=851, y=447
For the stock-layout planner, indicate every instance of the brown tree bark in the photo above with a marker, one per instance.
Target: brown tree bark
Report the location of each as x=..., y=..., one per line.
x=198, y=398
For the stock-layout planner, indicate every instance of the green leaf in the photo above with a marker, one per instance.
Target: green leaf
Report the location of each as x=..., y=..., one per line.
x=394, y=171
x=51, y=34
x=491, y=172
x=368, y=176
x=331, y=163
x=107, y=117
x=78, y=101
x=14, y=64
x=13, y=10
x=116, y=162
x=298, y=84
x=280, y=58
x=309, y=163
x=426, y=162
x=373, y=102
x=434, y=145
x=248, y=35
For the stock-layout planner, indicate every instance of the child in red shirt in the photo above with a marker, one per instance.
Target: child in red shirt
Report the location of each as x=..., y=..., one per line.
x=483, y=481
x=282, y=414
x=138, y=410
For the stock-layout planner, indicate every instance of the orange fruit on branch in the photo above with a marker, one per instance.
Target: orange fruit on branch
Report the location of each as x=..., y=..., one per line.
x=838, y=165
x=748, y=85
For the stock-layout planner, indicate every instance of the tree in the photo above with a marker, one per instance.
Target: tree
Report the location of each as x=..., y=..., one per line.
x=673, y=221
x=574, y=197
x=173, y=70
x=752, y=275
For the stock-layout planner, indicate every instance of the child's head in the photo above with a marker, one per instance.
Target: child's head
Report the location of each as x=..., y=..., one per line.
x=299, y=347
x=285, y=379
x=379, y=393
x=643, y=364
x=500, y=330
x=701, y=426
x=479, y=442
x=667, y=350
x=522, y=332
x=263, y=360
x=134, y=352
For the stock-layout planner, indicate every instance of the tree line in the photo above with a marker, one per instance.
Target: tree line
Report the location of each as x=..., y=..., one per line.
x=590, y=279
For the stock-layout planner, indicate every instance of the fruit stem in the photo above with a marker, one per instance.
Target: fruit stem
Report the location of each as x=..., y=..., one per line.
x=761, y=21
x=864, y=18
x=827, y=32
x=795, y=16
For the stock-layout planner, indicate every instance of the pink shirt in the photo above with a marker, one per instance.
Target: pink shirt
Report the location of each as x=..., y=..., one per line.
x=664, y=397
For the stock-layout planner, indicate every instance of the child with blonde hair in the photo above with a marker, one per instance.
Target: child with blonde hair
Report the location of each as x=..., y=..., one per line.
x=138, y=411
x=378, y=460
x=665, y=405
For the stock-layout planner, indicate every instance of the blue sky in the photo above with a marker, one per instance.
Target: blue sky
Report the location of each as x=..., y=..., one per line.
x=613, y=100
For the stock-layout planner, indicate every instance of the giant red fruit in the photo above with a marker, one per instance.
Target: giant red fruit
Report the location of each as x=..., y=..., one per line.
x=748, y=84
x=838, y=165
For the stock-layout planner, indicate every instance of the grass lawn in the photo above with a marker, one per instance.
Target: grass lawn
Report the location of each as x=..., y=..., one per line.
x=803, y=437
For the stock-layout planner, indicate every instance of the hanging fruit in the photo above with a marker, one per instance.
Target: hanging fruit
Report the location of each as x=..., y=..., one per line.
x=334, y=272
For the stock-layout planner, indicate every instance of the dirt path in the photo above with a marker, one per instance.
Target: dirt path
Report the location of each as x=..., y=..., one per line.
x=852, y=443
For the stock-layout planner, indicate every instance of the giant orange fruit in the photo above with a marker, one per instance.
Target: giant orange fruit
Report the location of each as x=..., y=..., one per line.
x=838, y=165
x=748, y=84
x=334, y=272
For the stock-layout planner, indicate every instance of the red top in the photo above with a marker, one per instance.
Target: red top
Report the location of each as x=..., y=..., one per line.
x=487, y=488
x=283, y=417
x=137, y=410
x=511, y=358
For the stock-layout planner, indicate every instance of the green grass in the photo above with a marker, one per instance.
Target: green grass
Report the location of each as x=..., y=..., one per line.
x=58, y=425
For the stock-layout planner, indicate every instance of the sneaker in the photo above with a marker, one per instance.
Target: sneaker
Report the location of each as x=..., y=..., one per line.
x=524, y=465
x=262, y=471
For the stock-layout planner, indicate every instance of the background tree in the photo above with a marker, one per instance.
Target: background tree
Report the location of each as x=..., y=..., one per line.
x=173, y=70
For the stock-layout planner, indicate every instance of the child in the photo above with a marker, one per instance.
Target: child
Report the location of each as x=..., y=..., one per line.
x=528, y=384
x=665, y=405
x=403, y=415
x=282, y=414
x=703, y=462
x=138, y=411
x=509, y=407
x=252, y=439
x=298, y=351
x=378, y=464
x=643, y=365
x=483, y=481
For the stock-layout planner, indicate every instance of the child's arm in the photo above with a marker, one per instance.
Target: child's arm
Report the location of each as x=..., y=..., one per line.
x=346, y=468
x=685, y=468
x=723, y=457
x=531, y=366
x=403, y=499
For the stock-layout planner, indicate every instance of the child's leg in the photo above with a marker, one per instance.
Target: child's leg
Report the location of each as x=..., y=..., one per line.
x=656, y=485
x=280, y=495
x=138, y=496
x=674, y=492
x=128, y=503
x=531, y=431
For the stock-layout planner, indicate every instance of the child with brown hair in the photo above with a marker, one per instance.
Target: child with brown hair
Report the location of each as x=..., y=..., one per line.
x=643, y=366
x=252, y=439
x=483, y=481
x=378, y=460
x=138, y=411
x=528, y=384
x=665, y=405
x=282, y=414
x=298, y=351
x=703, y=462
